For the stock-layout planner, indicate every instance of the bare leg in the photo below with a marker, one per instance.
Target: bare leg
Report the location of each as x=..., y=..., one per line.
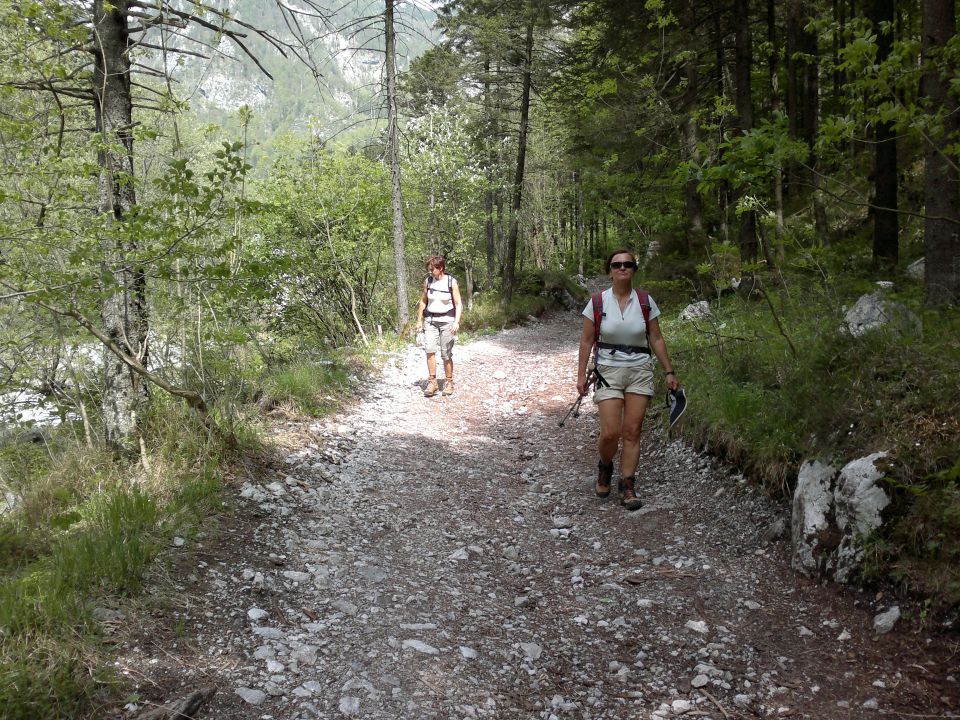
x=448, y=368
x=610, y=413
x=432, y=364
x=634, y=410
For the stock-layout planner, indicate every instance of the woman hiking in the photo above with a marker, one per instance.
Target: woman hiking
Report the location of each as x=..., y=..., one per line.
x=629, y=335
x=438, y=315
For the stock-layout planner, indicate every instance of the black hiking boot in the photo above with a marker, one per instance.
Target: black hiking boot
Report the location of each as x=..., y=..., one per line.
x=604, y=475
x=628, y=497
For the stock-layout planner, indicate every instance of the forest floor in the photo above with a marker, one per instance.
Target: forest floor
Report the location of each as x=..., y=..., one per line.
x=446, y=557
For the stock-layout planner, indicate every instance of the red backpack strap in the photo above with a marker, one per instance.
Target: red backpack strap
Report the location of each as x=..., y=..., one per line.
x=643, y=297
x=597, y=300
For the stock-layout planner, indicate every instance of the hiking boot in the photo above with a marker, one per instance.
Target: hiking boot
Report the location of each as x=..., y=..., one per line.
x=628, y=497
x=432, y=388
x=448, y=386
x=604, y=474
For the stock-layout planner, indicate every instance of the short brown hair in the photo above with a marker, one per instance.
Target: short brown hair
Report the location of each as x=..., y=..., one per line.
x=436, y=261
x=611, y=256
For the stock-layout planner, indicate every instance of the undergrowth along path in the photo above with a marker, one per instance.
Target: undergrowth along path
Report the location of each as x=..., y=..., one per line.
x=446, y=557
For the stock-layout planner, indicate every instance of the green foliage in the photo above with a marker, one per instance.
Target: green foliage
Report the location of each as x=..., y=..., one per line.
x=84, y=532
x=768, y=410
x=312, y=388
x=41, y=678
x=325, y=252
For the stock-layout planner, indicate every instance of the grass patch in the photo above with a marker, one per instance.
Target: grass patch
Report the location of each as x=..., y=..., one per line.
x=311, y=387
x=44, y=679
x=84, y=532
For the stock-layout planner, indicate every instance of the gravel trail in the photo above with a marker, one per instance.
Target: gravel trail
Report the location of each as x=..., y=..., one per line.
x=446, y=558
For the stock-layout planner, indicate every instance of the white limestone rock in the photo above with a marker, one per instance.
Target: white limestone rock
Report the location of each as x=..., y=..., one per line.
x=833, y=513
x=696, y=311
x=884, y=622
x=872, y=312
x=251, y=696
x=917, y=269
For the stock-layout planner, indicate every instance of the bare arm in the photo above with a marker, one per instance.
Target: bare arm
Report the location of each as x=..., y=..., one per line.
x=457, y=305
x=586, y=345
x=659, y=347
x=421, y=306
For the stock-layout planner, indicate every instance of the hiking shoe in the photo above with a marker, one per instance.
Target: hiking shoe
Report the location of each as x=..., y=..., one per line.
x=604, y=474
x=628, y=497
x=448, y=387
x=432, y=388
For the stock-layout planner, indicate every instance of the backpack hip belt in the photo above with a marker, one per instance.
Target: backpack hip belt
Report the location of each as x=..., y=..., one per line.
x=630, y=349
x=449, y=313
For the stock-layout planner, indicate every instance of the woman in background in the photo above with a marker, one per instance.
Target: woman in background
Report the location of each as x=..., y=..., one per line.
x=438, y=315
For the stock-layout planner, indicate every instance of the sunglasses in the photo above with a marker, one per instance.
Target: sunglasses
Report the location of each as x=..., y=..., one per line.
x=628, y=265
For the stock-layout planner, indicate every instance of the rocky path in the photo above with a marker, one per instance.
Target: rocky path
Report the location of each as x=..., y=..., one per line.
x=446, y=558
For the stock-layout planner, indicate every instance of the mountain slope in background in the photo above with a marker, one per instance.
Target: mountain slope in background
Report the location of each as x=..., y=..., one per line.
x=336, y=93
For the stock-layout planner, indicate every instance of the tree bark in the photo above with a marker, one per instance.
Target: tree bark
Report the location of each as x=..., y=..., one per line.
x=941, y=187
x=744, y=101
x=886, y=225
x=393, y=152
x=578, y=209
x=811, y=119
x=776, y=253
x=693, y=203
x=510, y=266
x=792, y=99
x=124, y=307
x=491, y=163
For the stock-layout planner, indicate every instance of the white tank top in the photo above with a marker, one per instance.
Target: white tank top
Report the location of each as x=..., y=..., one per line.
x=440, y=306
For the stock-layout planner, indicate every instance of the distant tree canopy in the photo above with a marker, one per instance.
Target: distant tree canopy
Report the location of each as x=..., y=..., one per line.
x=764, y=125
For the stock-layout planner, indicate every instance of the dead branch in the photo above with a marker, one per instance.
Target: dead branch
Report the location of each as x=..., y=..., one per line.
x=184, y=709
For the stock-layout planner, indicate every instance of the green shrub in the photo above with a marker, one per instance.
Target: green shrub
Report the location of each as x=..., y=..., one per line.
x=311, y=387
x=85, y=530
x=40, y=678
x=834, y=397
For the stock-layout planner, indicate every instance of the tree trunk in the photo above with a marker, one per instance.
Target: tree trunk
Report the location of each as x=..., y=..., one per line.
x=124, y=308
x=578, y=189
x=393, y=152
x=744, y=101
x=792, y=99
x=776, y=253
x=941, y=186
x=811, y=118
x=491, y=163
x=511, y=263
x=723, y=191
x=693, y=203
x=886, y=227
x=603, y=237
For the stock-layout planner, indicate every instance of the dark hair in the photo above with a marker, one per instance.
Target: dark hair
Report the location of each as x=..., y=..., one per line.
x=436, y=261
x=611, y=256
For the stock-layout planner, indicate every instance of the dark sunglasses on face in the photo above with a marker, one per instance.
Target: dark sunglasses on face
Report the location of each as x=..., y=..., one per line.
x=628, y=265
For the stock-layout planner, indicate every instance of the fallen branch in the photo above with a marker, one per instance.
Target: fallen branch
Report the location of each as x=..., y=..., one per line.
x=715, y=702
x=184, y=709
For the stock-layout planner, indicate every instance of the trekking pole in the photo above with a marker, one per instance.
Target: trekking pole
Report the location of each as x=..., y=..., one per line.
x=575, y=409
x=593, y=378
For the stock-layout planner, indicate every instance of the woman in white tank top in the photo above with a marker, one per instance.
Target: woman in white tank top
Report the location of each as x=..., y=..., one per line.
x=438, y=316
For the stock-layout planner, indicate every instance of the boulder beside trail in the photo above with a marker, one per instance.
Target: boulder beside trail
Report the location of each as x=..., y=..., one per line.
x=833, y=513
x=872, y=312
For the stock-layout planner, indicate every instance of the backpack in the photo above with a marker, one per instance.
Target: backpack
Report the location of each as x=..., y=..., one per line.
x=643, y=297
x=428, y=281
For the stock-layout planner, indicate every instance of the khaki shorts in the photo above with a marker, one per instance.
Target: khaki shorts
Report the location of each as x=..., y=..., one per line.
x=636, y=380
x=437, y=337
